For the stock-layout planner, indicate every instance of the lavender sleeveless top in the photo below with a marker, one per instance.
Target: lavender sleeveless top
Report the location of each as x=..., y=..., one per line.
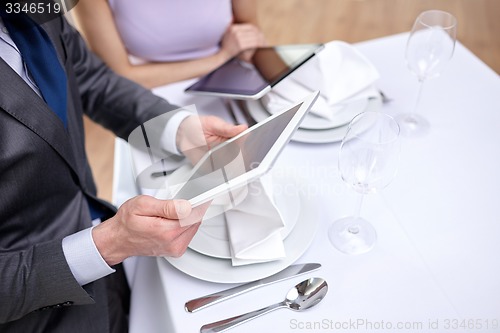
x=171, y=30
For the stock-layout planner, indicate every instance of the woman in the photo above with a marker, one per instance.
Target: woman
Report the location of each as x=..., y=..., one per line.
x=156, y=42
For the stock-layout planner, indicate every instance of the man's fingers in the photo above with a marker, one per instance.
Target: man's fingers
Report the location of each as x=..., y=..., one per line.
x=196, y=215
x=182, y=211
x=181, y=242
x=235, y=130
x=227, y=130
x=169, y=209
x=182, y=208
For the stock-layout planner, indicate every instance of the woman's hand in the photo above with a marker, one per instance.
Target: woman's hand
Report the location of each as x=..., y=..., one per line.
x=239, y=37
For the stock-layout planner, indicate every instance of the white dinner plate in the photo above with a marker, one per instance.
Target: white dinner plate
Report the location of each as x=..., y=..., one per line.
x=313, y=136
x=221, y=270
x=212, y=239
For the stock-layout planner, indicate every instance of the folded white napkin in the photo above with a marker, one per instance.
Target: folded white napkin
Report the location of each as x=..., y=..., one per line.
x=341, y=74
x=253, y=221
x=254, y=226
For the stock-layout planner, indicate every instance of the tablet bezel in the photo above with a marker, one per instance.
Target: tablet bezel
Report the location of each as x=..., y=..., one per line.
x=267, y=162
x=256, y=94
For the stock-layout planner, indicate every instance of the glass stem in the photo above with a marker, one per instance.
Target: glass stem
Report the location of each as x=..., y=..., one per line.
x=354, y=228
x=419, y=95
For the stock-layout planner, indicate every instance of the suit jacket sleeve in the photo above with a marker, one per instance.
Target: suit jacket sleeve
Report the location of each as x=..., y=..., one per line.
x=38, y=290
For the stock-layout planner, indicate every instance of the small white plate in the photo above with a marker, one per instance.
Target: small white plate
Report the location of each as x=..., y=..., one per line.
x=343, y=114
x=314, y=136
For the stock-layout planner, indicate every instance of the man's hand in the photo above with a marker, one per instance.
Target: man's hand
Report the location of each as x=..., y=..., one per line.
x=145, y=226
x=196, y=135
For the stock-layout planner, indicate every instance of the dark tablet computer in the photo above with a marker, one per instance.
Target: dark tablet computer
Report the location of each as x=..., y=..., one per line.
x=244, y=157
x=241, y=79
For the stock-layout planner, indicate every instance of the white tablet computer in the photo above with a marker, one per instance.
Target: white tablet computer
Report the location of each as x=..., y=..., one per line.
x=244, y=157
x=252, y=79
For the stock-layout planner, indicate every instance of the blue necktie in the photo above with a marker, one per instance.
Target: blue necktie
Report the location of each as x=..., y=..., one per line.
x=41, y=59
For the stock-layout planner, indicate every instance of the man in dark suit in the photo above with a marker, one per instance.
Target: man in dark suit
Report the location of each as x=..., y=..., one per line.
x=49, y=282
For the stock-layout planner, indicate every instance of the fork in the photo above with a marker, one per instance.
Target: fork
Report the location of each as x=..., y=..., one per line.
x=385, y=99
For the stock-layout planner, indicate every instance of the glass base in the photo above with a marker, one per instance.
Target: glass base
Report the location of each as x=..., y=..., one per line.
x=412, y=125
x=352, y=235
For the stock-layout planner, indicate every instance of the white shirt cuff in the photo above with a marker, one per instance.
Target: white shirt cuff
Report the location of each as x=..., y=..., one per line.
x=169, y=134
x=84, y=260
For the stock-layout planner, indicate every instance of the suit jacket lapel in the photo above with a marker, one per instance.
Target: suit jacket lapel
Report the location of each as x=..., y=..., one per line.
x=22, y=103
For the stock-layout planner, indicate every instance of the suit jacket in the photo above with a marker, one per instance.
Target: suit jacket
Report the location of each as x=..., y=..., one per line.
x=46, y=185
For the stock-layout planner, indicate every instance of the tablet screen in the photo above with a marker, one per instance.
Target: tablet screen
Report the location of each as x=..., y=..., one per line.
x=236, y=157
x=267, y=66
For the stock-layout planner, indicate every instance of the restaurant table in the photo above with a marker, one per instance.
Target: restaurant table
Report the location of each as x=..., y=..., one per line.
x=435, y=265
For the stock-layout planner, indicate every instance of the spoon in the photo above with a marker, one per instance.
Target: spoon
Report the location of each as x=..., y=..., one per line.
x=306, y=294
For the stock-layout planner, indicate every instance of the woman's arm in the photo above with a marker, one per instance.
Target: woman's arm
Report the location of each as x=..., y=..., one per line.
x=95, y=20
x=245, y=11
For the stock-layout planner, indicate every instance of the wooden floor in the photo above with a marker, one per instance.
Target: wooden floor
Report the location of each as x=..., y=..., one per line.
x=307, y=21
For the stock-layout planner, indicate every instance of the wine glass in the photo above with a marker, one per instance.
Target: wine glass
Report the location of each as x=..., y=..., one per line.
x=368, y=160
x=429, y=48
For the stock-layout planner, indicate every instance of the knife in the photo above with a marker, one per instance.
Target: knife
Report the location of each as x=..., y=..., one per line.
x=289, y=272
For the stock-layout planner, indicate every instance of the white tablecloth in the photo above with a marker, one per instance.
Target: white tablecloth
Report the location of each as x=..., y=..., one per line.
x=435, y=267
